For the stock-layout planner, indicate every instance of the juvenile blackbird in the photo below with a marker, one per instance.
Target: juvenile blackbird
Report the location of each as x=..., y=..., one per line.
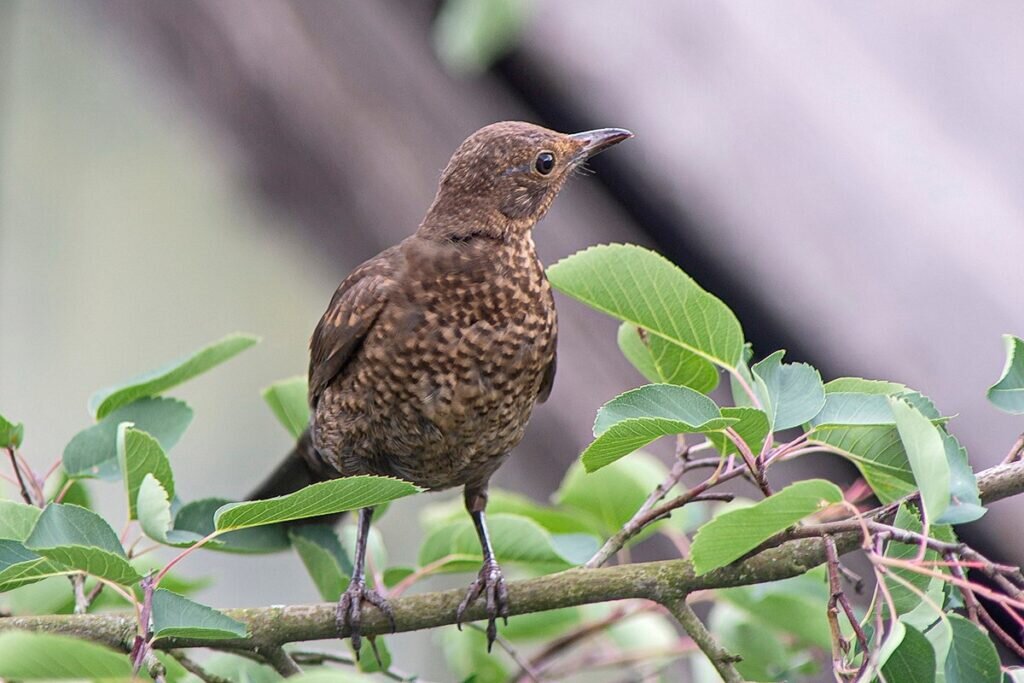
x=431, y=356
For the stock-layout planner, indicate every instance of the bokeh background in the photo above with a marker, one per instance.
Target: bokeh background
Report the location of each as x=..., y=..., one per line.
x=847, y=176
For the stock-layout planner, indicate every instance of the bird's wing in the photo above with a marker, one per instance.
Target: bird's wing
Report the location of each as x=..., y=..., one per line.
x=549, y=379
x=354, y=309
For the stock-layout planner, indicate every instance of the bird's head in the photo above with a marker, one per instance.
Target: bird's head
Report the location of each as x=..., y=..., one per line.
x=503, y=178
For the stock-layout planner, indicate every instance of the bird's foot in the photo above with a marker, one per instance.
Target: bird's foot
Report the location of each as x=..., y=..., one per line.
x=349, y=615
x=491, y=584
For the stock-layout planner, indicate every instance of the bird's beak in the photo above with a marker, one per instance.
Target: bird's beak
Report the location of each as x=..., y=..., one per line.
x=596, y=141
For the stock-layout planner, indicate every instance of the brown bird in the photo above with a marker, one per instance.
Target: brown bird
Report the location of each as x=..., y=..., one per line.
x=432, y=354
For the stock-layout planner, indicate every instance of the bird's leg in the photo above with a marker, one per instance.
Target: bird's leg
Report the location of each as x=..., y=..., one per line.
x=350, y=605
x=489, y=582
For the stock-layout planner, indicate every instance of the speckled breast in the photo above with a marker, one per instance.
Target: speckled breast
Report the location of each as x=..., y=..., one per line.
x=443, y=386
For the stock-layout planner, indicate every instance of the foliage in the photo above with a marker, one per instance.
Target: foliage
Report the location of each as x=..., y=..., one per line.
x=924, y=621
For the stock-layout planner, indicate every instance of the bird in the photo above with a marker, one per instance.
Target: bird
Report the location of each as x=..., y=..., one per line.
x=431, y=356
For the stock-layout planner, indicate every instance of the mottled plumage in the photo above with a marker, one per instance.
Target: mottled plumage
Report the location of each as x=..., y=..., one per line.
x=431, y=356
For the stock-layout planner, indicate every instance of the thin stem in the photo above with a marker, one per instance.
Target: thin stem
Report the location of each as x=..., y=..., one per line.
x=36, y=487
x=1015, y=451
x=647, y=515
x=839, y=600
x=417, y=575
x=524, y=665
x=59, y=498
x=25, y=495
x=196, y=670
x=304, y=658
x=747, y=389
x=542, y=659
x=52, y=469
x=183, y=554
x=723, y=660
x=78, y=588
x=751, y=460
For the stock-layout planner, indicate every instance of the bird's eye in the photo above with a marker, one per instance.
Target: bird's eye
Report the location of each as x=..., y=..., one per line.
x=545, y=163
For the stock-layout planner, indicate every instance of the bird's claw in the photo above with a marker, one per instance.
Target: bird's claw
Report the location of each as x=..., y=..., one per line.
x=491, y=584
x=349, y=614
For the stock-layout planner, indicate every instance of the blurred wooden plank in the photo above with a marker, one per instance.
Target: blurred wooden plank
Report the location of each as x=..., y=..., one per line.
x=343, y=118
x=857, y=165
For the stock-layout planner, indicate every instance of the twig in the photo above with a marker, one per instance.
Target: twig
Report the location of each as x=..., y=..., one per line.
x=979, y=615
x=539, y=661
x=306, y=658
x=280, y=660
x=524, y=665
x=1015, y=451
x=195, y=669
x=753, y=464
x=723, y=660
x=838, y=599
x=81, y=599
x=648, y=514
x=25, y=495
x=420, y=573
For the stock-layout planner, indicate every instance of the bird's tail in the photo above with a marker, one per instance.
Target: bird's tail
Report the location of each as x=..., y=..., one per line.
x=295, y=472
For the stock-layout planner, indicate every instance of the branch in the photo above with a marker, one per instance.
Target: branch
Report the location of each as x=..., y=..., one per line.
x=723, y=660
x=666, y=583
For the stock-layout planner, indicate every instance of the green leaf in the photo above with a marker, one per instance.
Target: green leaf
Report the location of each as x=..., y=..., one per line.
x=469, y=35
x=288, y=399
x=1008, y=393
x=795, y=606
x=43, y=656
x=794, y=391
x=904, y=598
x=81, y=539
x=607, y=499
x=154, y=514
x=76, y=492
x=661, y=361
x=20, y=566
x=765, y=657
x=325, y=498
x=156, y=382
x=877, y=452
x=927, y=455
x=555, y=520
x=367, y=662
x=752, y=426
x=846, y=409
x=965, y=500
x=856, y=385
x=550, y=624
x=11, y=433
x=732, y=534
x=913, y=661
x=176, y=616
x=647, y=290
x=93, y=451
x=139, y=454
x=394, y=575
x=197, y=518
x=638, y=417
x=972, y=657
x=468, y=660
x=244, y=670
x=334, y=675
x=326, y=561
x=515, y=539
x=17, y=520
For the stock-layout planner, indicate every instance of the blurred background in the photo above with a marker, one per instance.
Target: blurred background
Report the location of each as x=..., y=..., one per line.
x=846, y=176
